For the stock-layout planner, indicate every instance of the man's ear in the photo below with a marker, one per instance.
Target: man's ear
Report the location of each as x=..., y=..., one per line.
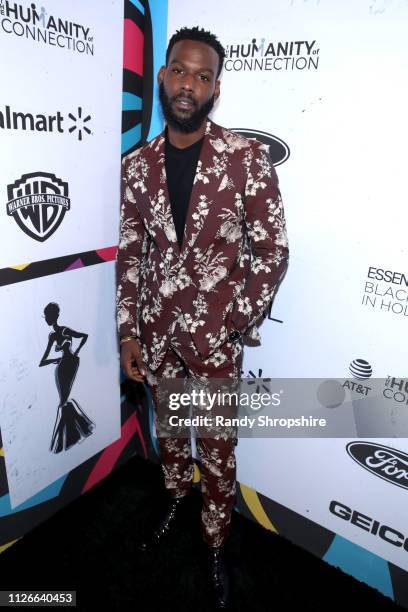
x=160, y=74
x=217, y=89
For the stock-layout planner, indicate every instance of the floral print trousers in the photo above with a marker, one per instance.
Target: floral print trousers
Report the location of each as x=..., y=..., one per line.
x=216, y=453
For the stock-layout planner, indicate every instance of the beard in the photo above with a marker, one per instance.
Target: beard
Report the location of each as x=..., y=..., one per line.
x=190, y=122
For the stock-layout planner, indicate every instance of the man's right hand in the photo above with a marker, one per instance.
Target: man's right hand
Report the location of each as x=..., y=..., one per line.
x=131, y=360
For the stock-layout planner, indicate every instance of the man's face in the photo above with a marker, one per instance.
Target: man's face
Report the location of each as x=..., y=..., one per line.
x=188, y=86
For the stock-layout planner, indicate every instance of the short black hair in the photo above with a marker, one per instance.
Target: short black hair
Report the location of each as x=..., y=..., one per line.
x=52, y=309
x=200, y=35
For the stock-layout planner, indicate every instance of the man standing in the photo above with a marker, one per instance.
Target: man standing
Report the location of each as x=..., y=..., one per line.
x=202, y=250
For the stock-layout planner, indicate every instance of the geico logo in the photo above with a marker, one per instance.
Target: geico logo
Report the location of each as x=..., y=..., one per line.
x=385, y=532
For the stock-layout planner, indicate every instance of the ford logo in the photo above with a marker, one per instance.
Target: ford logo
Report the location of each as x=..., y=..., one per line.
x=386, y=463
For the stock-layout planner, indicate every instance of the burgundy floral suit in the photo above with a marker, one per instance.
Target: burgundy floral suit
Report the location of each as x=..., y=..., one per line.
x=183, y=304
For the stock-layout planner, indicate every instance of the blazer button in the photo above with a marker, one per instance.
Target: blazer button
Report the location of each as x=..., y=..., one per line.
x=235, y=335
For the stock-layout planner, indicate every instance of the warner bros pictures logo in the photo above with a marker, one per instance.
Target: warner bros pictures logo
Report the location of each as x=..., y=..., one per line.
x=38, y=202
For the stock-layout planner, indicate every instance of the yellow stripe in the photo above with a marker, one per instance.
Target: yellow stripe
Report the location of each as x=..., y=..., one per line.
x=196, y=477
x=1, y=452
x=20, y=267
x=5, y=546
x=252, y=501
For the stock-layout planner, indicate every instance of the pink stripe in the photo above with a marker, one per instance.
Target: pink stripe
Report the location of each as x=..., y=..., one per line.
x=111, y=454
x=107, y=254
x=133, y=48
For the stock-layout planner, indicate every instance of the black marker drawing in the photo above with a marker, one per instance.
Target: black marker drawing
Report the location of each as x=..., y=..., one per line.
x=72, y=425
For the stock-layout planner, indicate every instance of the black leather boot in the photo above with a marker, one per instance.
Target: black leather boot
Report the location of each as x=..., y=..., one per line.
x=163, y=528
x=219, y=577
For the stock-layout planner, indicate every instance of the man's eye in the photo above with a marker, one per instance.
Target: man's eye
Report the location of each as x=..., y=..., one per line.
x=204, y=77
x=176, y=70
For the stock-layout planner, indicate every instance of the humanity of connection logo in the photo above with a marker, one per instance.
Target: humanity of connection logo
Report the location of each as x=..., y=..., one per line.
x=36, y=23
x=261, y=54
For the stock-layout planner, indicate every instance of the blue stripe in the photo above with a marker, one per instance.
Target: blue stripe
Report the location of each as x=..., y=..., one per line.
x=131, y=138
x=360, y=563
x=131, y=101
x=138, y=5
x=158, y=11
x=50, y=492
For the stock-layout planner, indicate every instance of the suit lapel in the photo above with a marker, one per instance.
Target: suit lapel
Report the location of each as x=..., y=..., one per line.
x=199, y=203
x=197, y=211
x=158, y=182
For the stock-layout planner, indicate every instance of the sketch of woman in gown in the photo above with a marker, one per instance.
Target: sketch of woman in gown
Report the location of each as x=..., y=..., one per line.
x=72, y=425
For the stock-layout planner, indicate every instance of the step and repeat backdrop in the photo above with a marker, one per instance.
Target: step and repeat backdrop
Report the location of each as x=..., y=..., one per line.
x=68, y=70
x=324, y=83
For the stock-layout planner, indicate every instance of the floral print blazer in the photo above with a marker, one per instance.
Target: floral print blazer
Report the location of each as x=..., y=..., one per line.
x=234, y=250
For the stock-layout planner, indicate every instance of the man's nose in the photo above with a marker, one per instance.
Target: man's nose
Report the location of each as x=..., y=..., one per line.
x=187, y=82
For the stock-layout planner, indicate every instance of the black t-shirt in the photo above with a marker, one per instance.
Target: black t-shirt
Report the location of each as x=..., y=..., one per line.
x=181, y=166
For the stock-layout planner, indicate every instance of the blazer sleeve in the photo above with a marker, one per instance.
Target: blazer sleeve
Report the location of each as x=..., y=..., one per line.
x=129, y=259
x=266, y=230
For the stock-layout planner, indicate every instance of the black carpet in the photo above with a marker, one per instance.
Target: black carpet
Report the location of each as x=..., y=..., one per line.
x=89, y=546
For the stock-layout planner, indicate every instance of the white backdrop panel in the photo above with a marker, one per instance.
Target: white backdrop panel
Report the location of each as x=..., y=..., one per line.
x=306, y=475
x=46, y=80
x=343, y=185
x=343, y=189
x=29, y=397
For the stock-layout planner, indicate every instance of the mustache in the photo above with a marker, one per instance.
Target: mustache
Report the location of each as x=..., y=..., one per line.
x=184, y=97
